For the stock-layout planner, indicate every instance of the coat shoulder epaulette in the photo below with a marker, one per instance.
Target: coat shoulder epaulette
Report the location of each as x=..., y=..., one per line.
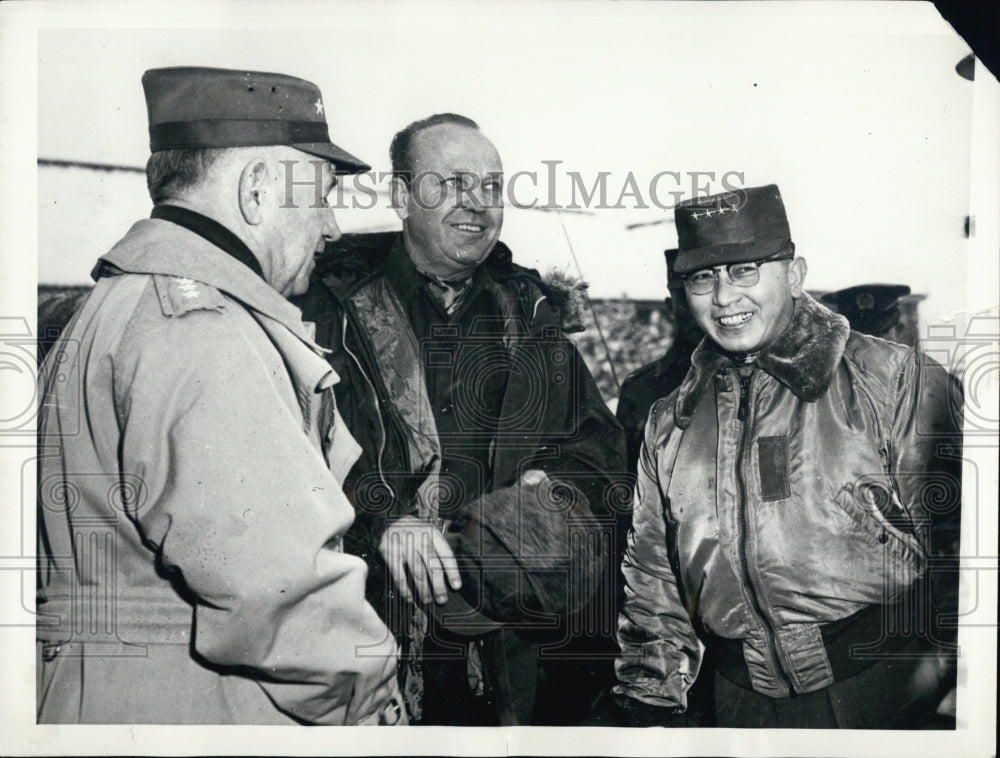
x=179, y=295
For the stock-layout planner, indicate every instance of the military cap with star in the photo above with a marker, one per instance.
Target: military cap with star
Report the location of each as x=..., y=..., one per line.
x=194, y=107
x=870, y=308
x=742, y=225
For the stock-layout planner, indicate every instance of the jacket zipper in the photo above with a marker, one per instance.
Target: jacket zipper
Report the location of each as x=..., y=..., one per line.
x=743, y=414
x=379, y=405
x=887, y=466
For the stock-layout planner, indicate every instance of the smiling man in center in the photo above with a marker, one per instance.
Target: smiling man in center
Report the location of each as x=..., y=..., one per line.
x=488, y=450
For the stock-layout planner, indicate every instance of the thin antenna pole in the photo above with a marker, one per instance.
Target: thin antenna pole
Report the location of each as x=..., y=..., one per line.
x=91, y=166
x=600, y=332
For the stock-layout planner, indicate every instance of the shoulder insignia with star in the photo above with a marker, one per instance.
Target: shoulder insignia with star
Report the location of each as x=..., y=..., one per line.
x=179, y=295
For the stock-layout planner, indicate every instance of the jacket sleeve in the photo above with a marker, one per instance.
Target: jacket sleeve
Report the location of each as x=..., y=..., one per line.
x=926, y=459
x=568, y=432
x=378, y=485
x=630, y=416
x=583, y=443
x=246, y=518
x=660, y=652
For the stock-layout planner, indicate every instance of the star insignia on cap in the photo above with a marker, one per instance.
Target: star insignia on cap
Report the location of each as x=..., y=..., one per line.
x=865, y=301
x=319, y=106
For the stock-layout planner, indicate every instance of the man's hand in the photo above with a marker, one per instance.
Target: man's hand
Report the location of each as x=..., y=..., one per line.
x=415, y=551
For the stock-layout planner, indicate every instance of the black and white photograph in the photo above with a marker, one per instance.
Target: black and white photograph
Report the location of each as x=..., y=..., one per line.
x=556, y=378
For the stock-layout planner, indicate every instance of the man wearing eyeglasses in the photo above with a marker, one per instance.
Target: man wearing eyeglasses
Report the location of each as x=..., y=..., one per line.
x=487, y=445
x=796, y=502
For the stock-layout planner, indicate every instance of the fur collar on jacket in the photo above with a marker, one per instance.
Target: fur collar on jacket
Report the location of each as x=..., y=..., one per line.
x=804, y=358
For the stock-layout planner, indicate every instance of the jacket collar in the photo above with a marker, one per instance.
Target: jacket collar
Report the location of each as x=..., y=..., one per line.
x=409, y=282
x=355, y=260
x=154, y=246
x=804, y=358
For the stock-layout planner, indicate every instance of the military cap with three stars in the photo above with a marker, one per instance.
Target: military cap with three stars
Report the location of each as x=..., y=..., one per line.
x=194, y=107
x=742, y=225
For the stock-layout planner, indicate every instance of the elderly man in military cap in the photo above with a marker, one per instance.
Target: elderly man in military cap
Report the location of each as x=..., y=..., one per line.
x=871, y=308
x=190, y=451
x=792, y=497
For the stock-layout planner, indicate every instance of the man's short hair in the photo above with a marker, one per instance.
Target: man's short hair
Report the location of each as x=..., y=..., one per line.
x=170, y=172
x=401, y=147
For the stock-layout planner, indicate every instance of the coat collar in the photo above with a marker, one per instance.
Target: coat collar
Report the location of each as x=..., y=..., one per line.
x=409, y=282
x=804, y=358
x=356, y=259
x=154, y=246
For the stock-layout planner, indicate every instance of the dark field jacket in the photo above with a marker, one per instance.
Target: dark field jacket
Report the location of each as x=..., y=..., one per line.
x=553, y=416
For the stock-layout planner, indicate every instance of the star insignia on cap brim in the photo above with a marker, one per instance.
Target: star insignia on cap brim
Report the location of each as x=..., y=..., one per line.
x=319, y=106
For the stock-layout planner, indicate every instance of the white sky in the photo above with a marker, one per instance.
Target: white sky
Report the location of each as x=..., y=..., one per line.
x=864, y=126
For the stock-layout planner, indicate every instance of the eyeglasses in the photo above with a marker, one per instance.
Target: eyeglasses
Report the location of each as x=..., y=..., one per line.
x=743, y=274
